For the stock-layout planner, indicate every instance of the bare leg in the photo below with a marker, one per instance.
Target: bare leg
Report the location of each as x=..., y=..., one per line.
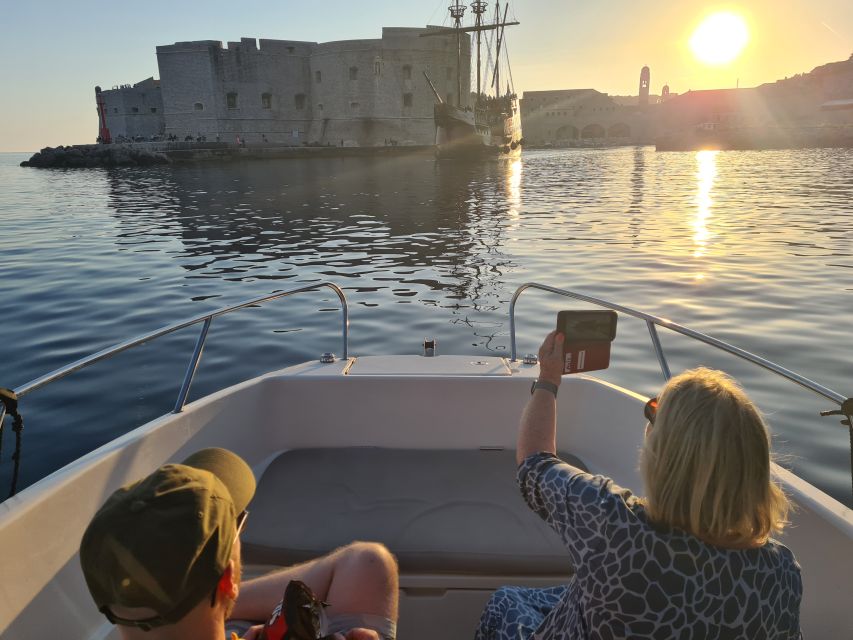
x=358, y=578
x=365, y=581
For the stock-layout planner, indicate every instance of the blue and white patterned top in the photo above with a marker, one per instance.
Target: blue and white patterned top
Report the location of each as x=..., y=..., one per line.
x=635, y=581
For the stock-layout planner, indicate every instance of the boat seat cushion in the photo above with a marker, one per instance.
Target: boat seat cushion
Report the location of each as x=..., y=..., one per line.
x=438, y=511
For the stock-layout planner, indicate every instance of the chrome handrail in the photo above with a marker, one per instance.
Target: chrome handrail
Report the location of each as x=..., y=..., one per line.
x=653, y=321
x=207, y=319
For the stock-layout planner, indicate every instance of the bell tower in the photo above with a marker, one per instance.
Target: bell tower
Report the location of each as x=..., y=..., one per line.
x=645, y=79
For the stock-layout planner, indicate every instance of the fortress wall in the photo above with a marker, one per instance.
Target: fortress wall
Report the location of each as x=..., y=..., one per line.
x=186, y=76
x=134, y=111
x=296, y=92
x=272, y=87
x=114, y=112
x=371, y=109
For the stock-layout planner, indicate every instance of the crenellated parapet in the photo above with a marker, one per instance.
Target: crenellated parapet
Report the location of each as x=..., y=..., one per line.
x=367, y=92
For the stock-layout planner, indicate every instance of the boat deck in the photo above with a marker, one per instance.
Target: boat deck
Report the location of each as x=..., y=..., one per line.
x=454, y=519
x=439, y=511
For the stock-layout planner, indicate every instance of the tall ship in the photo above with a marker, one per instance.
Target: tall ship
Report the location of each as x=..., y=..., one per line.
x=491, y=124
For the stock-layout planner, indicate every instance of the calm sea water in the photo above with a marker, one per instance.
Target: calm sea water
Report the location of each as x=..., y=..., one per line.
x=755, y=248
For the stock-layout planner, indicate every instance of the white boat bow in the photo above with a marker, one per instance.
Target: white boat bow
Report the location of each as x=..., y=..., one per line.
x=413, y=451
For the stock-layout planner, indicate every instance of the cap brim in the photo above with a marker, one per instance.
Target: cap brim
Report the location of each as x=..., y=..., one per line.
x=231, y=469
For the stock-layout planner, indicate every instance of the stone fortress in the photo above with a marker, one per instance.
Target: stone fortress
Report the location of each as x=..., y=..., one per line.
x=372, y=93
x=347, y=93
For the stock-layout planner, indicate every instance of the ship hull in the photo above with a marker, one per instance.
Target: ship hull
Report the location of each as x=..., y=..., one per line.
x=467, y=133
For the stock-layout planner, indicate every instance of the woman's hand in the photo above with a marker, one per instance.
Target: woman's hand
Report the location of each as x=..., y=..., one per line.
x=551, y=363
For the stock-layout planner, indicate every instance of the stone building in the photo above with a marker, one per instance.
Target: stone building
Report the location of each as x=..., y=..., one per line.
x=133, y=111
x=824, y=96
x=352, y=93
x=579, y=117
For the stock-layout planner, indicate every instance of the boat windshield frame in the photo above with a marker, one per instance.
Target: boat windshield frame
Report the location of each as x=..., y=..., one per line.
x=652, y=322
x=205, y=319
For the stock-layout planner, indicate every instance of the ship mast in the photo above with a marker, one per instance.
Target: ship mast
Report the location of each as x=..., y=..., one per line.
x=479, y=8
x=501, y=25
x=457, y=11
x=498, y=51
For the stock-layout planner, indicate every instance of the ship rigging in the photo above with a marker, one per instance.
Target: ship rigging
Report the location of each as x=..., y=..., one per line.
x=493, y=126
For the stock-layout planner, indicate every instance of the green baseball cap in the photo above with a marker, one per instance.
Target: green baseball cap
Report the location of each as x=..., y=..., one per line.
x=163, y=542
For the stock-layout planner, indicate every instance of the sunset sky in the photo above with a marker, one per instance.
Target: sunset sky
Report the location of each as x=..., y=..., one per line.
x=54, y=52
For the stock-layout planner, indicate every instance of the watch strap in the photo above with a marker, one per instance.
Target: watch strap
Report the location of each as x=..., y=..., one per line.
x=547, y=386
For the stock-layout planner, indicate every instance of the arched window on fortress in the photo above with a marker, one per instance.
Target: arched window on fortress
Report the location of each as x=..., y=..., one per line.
x=231, y=100
x=318, y=76
x=407, y=72
x=353, y=73
x=299, y=101
x=407, y=100
x=198, y=106
x=266, y=100
x=377, y=68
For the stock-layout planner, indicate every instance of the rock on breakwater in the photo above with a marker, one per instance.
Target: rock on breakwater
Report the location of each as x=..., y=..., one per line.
x=94, y=156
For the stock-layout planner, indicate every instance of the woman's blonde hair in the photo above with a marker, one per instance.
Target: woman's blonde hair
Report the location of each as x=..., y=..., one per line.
x=706, y=463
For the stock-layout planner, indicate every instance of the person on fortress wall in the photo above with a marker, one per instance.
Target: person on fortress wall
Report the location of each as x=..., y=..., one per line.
x=161, y=559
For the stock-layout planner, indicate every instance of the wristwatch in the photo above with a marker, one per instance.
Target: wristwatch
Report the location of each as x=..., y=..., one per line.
x=542, y=384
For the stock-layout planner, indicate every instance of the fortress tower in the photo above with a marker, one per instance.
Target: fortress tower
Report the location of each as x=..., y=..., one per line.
x=645, y=78
x=664, y=94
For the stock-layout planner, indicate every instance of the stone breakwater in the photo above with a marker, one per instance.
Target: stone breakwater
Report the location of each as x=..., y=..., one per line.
x=81, y=156
x=148, y=153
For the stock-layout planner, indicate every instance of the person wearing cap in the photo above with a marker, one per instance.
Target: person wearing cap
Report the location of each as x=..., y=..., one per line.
x=161, y=559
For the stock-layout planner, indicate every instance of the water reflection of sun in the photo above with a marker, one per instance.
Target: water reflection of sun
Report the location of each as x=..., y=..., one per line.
x=706, y=173
x=514, y=188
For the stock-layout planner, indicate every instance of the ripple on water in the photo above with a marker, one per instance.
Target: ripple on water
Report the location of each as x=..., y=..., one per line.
x=753, y=247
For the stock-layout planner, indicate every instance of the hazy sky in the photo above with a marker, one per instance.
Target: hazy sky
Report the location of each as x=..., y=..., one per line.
x=54, y=52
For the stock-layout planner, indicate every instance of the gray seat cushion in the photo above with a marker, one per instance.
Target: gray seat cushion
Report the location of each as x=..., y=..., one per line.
x=438, y=511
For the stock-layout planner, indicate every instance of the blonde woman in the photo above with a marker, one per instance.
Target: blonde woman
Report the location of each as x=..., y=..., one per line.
x=694, y=559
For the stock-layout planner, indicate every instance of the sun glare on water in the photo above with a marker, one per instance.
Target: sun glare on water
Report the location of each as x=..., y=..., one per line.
x=720, y=38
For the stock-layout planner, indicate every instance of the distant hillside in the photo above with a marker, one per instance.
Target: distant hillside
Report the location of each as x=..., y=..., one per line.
x=832, y=81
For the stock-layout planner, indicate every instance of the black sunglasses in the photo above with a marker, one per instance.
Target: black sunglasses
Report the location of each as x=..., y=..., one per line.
x=651, y=410
x=241, y=522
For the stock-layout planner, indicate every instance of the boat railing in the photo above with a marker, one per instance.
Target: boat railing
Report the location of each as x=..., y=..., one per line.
x=205, y=320
x=652, y=322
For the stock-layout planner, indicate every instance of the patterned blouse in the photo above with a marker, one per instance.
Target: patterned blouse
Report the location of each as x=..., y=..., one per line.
x=634, y=581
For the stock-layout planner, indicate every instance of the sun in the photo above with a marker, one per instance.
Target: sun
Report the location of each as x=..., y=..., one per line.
x=720, y=38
